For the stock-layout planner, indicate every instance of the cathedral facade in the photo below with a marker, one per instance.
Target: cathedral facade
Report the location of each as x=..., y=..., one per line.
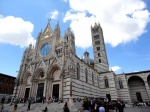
x=52, y=68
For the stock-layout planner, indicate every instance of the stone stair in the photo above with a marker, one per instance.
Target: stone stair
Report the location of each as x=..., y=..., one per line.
x=38, y=107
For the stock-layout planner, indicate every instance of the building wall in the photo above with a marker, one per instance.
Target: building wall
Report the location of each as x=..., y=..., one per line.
x=6, y=84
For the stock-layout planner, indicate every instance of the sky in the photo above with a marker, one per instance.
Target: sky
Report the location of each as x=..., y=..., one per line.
x=125, y=24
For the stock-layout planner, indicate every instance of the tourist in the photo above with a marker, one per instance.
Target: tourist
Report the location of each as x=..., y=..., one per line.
x=29, y=104
x=96, y=107
x=45, y=110
x=43, y=99
x=2, y=108
x=15, y=107
x=66, y=109
x=3, y=100
x=120, y=107
x=101, y=108
x=85, y=107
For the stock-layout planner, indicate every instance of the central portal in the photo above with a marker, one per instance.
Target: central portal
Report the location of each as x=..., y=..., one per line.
x=40, y=90
x=56, y=90
x=27, y=93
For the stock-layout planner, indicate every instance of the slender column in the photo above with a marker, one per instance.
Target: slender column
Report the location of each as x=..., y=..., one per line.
x=19, y=92
x=61, y=88
x=48, y=88
x=45, y=88
x=33, y=89
x=46, y=91
x=23, y=91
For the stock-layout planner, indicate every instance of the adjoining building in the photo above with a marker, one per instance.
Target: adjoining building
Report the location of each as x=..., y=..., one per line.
x=7, y=84
x=52, y=68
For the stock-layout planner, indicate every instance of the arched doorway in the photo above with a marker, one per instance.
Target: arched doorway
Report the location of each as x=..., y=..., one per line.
x=56, y=77
x=137, y=89
x=40, y=90
x=27, y=90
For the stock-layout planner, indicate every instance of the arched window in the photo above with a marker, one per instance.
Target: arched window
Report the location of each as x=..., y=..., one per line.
x=106, y=82
x=67, y=39
x=99, y=60
x=92, y=78
x=120, y=84
x=1, y=81
x=86, y=75
x=99, y=55
x=78, y=71
x=7, y=82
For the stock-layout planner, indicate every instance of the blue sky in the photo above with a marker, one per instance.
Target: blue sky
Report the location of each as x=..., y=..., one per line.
x=125, y=23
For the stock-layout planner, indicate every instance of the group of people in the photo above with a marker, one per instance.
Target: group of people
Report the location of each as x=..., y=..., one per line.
x=96, y=105
x=88, y=104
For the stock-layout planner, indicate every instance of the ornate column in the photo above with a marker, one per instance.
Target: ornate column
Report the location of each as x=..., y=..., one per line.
x=48, y=87
x=33, y=89
x=21, y=90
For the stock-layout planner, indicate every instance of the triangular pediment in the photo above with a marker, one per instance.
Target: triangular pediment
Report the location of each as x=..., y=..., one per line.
x=42, y=64
x=48, y=32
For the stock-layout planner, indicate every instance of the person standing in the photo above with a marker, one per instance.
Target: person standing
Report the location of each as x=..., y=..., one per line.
x=66, y=109
x=45, y=110
x=96, y=107
x=3, y=100
x=85, y=107
x=101, y=108
x=2, y=108
x=29, y=104
x=120, y=107
x=15, y=107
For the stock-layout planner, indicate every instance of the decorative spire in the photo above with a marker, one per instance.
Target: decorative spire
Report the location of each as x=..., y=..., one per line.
x=49, y=21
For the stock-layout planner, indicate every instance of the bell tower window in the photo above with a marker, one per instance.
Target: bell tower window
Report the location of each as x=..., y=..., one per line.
x=99, y=60
x=98, y=48
x=97, y=42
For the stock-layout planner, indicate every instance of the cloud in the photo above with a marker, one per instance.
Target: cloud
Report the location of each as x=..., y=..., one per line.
x=122, y=21
x=65, y=1
x=115, y=68
x=53, y=14
x=16, y=31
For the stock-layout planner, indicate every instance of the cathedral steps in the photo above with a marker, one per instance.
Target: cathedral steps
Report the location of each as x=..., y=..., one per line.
x=38, y=107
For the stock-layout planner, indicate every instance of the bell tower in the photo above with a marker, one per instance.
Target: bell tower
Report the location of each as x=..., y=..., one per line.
x=100, y=56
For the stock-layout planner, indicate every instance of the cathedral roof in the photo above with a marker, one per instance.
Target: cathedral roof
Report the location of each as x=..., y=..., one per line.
x=87, y=59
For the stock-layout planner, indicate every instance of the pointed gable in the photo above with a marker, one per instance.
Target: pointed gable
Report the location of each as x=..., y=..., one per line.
x=48, y=32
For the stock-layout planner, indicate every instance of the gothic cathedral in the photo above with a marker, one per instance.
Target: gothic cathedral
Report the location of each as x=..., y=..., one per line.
x=52, y=69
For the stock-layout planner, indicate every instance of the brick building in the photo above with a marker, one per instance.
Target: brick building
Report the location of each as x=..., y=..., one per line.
x=6, y=84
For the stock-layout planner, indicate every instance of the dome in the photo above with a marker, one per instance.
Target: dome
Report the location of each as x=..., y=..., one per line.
x=87, y=59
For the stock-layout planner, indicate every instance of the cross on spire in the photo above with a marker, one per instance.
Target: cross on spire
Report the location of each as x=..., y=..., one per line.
x=49, y=21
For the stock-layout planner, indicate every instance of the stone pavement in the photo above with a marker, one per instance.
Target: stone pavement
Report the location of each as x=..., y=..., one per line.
x=55, y=107
x=137, y=109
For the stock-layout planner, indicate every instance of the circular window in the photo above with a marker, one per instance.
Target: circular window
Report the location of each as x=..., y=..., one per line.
x=45, y=49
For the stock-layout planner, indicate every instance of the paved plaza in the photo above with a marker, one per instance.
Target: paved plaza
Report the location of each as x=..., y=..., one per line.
x=55, y=107
x=137, y=109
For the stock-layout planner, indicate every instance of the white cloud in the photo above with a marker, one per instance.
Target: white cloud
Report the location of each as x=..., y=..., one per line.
x=53, y=14
x=65, y=1
x=115, y=68
x=16, y=31
x=122, y=21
